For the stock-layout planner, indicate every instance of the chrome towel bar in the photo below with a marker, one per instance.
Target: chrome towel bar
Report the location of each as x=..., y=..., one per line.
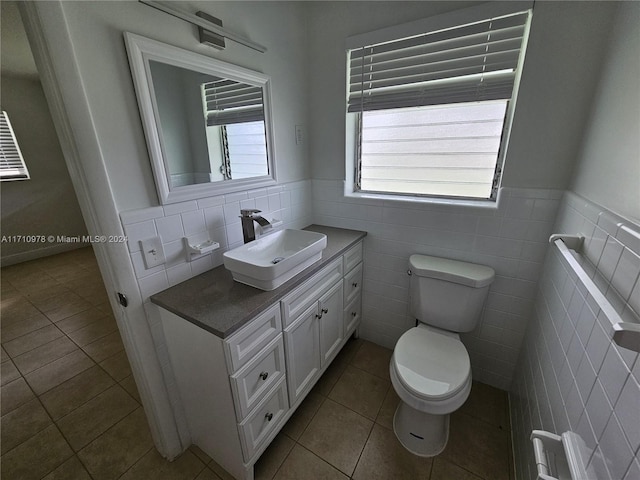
x=624, y=334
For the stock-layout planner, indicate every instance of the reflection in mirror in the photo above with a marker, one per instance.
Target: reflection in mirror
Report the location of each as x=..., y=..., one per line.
x=212, y=128
x=206, y=121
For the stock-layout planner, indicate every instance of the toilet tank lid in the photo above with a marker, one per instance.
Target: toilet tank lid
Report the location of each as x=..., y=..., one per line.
x=464, y=273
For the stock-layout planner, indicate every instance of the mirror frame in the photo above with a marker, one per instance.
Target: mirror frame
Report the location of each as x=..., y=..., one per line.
x=140, y=51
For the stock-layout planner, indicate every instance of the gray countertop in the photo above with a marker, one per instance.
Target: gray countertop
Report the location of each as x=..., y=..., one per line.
x=213, y=301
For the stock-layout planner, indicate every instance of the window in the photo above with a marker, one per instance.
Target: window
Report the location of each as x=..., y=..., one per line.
x=433, y=109
x=235, y=128
x=12, y=166
x=246, y=149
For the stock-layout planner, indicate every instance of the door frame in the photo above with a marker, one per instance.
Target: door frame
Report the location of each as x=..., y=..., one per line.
x=66, y=97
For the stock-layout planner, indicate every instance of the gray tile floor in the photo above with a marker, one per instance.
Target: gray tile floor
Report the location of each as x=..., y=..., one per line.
x=70, y=408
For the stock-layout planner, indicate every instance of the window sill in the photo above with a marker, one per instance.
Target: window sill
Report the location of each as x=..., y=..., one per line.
x=392, y=199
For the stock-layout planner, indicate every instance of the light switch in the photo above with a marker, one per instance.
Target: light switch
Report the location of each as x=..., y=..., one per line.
x=152, y=252
x=299, y=135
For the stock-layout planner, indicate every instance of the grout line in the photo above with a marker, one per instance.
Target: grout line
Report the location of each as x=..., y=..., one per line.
x=29, y=333
x=134, y=463
x=325, y=461
x=478, y=476
x=95, y=339
x=363, y=448
x=36, y=433
x=64, y=356
x=48, y=363
x=204, y=465
x=275, y=474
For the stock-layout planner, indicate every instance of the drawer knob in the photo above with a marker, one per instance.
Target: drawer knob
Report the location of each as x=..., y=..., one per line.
x=268, y=416
x=264, y=375
x=353, y=314
x=355, y=284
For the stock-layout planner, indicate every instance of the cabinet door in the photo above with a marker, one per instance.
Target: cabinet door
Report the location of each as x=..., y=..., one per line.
x=331, y=322
x=302, y=347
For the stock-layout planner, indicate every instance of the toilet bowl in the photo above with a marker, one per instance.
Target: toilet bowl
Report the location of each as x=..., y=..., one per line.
x=430, y=368
x=431, y=373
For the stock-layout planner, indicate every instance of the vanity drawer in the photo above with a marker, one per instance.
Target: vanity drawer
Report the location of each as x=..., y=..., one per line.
x=352, y=315
x=267, y=416
x=256, y=378
x=353, y=284
x=353, y=257
x=310, y=291
x=244, y=344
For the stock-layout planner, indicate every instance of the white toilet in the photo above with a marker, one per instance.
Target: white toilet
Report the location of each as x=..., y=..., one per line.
x=430, y=368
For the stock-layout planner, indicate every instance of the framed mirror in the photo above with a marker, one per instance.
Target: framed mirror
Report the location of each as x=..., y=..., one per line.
x=207, y=123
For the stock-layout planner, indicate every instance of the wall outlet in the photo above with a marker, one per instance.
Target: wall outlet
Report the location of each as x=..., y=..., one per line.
x=299, y=135
x=152, y=252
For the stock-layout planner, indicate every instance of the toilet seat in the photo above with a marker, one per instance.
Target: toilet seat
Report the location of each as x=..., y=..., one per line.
x=432, y=366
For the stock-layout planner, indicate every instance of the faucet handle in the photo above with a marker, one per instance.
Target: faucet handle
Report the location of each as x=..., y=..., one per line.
x=248, y=212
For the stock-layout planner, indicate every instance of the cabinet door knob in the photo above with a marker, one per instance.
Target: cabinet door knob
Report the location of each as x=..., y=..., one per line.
x=355, y=284
x=268, y=416
x=353, y=314
x=264, y=375
x=318, y=316
x=325, y=310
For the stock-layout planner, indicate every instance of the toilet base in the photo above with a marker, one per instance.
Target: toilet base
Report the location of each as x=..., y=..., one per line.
x=421, y=433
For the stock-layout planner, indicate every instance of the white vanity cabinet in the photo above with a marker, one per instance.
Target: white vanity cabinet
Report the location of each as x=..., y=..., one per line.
x=236, y=393
x=233, y=391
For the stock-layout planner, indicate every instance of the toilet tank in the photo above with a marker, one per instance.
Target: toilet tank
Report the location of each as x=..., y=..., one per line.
x=448, y=294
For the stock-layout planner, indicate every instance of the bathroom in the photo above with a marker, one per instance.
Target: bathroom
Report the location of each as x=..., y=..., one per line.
x=573, y=153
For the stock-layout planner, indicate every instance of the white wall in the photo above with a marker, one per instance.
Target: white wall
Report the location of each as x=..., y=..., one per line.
x=46, y=204
x=566, y=44
x=174, y=115
x=183, y=130
x=570, y=375
x=96, y=31
x=561, y=66
x=609, y=168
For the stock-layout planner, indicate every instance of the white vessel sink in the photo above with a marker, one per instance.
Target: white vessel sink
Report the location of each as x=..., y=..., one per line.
x=270, y=261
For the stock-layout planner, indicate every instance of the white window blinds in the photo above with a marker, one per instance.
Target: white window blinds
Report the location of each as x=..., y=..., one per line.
x=227, y=102
x=247, y=150
x=12, y=166
x=468, y=63
x=442, y=150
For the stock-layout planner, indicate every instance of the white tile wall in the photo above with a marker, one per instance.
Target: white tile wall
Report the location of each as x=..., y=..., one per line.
x=511, y=238
x=570, y=375
x=214, y=217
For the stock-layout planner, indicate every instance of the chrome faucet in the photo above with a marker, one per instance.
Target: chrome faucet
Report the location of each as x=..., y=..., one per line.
x=247, y=217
